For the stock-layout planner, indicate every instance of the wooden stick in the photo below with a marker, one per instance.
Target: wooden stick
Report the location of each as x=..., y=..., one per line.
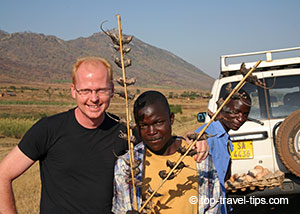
x=129, y=131
x=237, y=88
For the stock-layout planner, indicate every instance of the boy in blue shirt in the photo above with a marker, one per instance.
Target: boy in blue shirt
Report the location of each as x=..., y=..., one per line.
x=232, y=116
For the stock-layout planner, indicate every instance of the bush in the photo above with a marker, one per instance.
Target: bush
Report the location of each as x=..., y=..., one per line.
x=189, y=94
x=176, y=109
x=12, y=87
x=15, y=127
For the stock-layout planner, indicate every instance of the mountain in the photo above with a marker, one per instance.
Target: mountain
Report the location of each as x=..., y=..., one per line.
x=36, y=57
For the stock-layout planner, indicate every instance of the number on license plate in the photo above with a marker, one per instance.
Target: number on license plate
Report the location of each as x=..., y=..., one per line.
x=242, y=150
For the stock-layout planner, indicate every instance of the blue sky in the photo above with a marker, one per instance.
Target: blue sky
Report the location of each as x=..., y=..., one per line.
x=196, y=30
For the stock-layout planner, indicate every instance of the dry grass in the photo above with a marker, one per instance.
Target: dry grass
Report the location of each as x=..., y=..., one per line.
x=27, y=186
x=27, y=189
x=14, y=127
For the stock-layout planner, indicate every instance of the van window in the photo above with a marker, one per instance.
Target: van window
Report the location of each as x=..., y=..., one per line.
x=281, y=97
x=284, y=95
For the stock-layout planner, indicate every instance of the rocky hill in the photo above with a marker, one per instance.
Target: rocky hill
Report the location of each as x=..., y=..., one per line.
x=40, y=58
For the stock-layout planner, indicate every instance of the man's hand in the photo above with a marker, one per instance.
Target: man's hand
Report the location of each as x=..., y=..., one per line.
x=202, y=150
x=201, y=147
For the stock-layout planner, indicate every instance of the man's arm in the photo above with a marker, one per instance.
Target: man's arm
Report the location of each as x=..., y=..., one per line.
x=12, y=166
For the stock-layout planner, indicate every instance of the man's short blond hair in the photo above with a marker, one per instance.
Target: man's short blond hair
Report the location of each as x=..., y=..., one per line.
x=91, y=59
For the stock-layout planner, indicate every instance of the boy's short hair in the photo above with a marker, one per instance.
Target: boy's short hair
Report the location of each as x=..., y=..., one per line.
x=148, y=98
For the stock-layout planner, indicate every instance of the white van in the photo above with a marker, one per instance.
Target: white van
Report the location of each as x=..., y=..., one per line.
x=271, y=137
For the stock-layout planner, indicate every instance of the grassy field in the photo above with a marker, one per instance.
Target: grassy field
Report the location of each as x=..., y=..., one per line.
x=29, y=103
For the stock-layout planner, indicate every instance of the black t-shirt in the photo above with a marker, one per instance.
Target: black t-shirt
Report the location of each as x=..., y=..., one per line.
x=76, y=163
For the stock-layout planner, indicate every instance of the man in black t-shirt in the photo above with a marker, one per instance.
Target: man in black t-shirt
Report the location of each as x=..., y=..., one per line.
x=75, y=149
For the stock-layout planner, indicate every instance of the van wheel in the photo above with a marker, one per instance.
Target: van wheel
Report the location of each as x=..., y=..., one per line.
x=288, y=142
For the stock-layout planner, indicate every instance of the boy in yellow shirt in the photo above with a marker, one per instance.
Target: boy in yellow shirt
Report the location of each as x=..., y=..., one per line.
x=195, y=186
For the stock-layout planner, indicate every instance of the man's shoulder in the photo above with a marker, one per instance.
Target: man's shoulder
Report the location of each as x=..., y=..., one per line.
x=113, y=116
x=214, y=128
x=111, y=121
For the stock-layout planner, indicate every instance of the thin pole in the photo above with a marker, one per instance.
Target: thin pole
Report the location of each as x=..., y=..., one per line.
x=129, y=131
x=237, y=88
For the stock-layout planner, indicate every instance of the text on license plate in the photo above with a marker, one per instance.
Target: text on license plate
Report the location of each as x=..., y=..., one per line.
x=242, y=150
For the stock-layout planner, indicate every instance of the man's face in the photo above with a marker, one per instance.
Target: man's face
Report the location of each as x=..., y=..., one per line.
x=236, y=117
x=91, y=107
x=155, y=126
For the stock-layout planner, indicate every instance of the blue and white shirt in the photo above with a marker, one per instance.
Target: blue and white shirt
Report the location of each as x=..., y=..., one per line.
x=218, y=148
x=209, y=185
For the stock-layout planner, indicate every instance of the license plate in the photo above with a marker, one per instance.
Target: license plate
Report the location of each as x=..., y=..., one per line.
x=242, y=150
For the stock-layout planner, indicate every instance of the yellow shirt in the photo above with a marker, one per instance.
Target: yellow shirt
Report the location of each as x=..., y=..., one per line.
x=177, y=192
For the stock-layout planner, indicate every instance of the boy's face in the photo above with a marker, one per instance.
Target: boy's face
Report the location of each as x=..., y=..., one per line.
x=155, y=126
x=237, y=117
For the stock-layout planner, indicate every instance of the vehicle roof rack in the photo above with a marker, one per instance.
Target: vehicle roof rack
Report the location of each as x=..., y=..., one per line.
x=265, y=65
